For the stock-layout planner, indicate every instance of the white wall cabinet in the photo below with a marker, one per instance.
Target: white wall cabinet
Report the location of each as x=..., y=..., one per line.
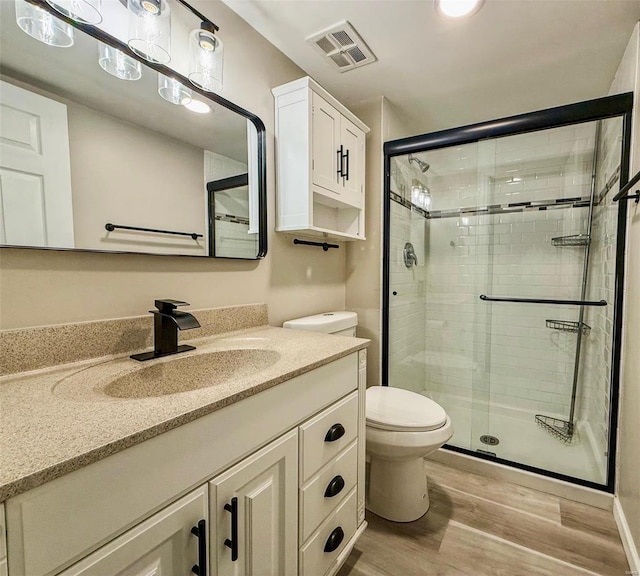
x=276, y=456
x=320, y=164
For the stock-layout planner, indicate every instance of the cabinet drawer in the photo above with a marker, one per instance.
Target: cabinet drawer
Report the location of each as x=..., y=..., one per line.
x=327, y=434
x=338, y=529
x=338, y=477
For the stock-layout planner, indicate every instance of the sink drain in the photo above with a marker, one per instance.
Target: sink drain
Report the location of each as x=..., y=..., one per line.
x=490, y=440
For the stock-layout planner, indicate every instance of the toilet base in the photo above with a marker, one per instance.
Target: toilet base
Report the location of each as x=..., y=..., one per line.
x=398, y=489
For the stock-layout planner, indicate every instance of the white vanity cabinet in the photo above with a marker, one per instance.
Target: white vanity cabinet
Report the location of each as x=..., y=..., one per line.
x=320, y=163
x=163, y=544
x=250, y=489
x=255, y=506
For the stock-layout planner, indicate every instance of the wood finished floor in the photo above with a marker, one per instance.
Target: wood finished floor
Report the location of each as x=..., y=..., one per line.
x=478, y=526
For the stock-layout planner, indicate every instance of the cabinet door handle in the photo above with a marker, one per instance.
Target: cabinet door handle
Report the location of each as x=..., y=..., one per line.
x=347, y=171
x=335, y=433
x=335, y=487
x=200, y=531
x=335, y=539
x=340, y=171
x=233, y=543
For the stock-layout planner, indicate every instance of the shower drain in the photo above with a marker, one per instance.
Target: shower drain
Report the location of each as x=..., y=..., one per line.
x=490, y=440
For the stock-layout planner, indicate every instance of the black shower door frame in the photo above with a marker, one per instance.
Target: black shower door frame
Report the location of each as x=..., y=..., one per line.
x=620, y=105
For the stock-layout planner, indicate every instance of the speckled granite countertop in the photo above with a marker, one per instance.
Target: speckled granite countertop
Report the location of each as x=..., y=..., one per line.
x=56, y=420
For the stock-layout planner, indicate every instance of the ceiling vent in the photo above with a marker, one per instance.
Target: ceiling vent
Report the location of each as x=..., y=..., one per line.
x=342, y=46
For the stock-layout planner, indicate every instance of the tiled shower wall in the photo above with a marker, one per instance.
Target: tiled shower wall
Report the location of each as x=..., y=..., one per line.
x=593, y=400
x=407, y=309
x=498, y=353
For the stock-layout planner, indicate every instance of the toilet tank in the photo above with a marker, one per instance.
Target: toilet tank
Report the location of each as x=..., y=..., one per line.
x=340, y=323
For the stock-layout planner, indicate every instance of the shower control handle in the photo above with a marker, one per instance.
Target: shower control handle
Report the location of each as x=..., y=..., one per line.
x=334, y=433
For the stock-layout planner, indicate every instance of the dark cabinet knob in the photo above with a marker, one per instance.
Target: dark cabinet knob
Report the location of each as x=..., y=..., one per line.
x=335, y=539
x=334, y=487
x=335, y=433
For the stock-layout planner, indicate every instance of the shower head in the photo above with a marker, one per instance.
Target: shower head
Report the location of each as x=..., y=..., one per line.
x=422, y=165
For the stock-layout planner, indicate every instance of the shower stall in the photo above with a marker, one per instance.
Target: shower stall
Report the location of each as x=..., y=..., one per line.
x=503, y=281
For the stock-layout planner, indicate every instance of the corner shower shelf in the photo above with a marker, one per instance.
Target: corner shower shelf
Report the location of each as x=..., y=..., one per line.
x=561, y=429
x=575, y=240
x=568, y=326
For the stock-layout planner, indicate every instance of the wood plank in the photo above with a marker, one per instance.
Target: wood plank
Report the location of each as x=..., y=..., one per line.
x=490, y=555
x=585, y=550
x=505, y=493
x=588, y=519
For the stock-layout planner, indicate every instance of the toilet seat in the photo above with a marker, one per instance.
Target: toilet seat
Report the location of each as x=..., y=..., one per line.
x=401, y=410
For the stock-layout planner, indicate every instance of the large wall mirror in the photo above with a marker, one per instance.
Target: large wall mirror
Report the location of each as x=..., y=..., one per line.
x=102, y=150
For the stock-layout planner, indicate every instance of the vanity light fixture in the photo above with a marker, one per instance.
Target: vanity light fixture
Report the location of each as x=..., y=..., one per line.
x=83, y=11
x=206, y=57
x=150, y=29
x=42, y=26
x=457, y=8
x=198, y=106
x=173, y=91
x=118, y=64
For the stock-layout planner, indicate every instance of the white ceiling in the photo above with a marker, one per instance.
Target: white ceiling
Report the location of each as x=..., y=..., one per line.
x=512, y=56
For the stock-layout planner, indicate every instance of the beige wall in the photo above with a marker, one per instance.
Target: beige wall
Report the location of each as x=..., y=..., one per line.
x=364, y=259
x=628, y=464
x=41, y=287
x=112, y=181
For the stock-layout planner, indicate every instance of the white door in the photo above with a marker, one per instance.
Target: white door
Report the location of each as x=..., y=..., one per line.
x=260, y=497
x=35, y=171
x=352, y=140
x=163, y=545
x=325, y=153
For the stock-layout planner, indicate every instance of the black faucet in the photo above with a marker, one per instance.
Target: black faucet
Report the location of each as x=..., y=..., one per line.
x=166, y=323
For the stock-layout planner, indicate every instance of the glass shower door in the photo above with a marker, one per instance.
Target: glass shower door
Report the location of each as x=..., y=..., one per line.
x=493, y=245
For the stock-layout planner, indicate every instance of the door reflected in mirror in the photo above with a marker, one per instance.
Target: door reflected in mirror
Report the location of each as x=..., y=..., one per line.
x=100, y=152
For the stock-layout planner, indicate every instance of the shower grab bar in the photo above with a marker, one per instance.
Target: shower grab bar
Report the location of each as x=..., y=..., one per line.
x=636, y=195
x=543, y=301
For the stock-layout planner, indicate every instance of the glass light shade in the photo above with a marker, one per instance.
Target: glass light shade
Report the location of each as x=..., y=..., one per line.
x=42, y=26
x=118, y=64
x=206, y=55
x=83, y=11
x=150, y=29
x=173, y=91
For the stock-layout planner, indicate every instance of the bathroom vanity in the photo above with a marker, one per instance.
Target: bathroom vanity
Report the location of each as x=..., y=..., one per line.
x=257, y=468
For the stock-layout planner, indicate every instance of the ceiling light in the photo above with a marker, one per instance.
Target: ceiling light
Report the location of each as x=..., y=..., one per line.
x=198, y=106
x=173, y=91
x=42, y=26
x=117, y=63
x=83, y=11
x=150, y=29
x=205, y=58
x=457, y=8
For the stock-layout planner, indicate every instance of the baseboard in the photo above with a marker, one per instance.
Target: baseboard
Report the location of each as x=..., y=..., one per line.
x=630, y=548
x=531, y=480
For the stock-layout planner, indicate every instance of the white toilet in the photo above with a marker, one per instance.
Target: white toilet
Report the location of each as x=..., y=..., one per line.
x=402, y=428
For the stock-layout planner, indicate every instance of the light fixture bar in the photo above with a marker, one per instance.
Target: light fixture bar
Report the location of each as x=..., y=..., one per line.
x=191, y=9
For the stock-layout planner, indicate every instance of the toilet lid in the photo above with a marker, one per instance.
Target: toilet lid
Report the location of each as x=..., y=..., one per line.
x=391, y=408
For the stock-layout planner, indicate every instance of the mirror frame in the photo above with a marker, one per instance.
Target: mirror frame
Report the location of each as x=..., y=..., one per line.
x=169, y=72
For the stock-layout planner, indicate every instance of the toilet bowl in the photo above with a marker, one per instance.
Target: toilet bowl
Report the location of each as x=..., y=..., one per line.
x=402, y=428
